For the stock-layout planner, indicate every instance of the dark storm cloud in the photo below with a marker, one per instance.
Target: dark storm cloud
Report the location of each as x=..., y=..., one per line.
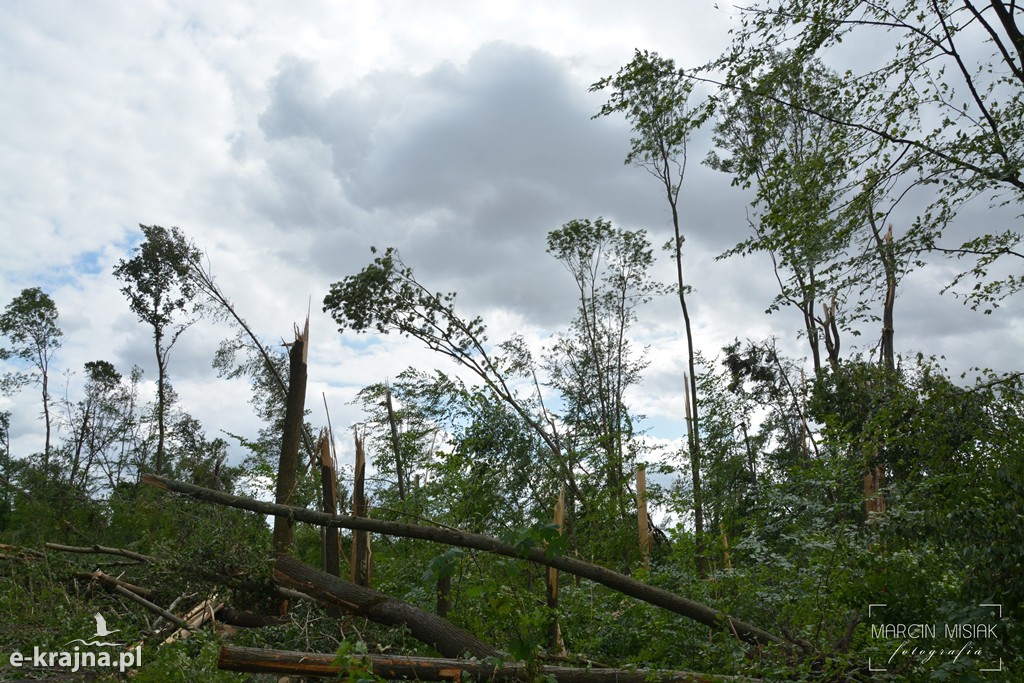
x=464, y=168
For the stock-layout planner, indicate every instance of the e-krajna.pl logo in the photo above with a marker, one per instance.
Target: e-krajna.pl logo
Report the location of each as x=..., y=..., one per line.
x=78, y=657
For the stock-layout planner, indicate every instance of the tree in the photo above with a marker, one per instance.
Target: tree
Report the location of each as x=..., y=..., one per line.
x=94, y=424
x=593, y=366
x=30, y=323
x=946, y=102
x=802, y=167
x=6, y=492
x=653, y=95
x=387, y=297
x=162, y=294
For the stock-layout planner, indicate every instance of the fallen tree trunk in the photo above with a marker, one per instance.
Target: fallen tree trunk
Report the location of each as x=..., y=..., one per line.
x=606, y=577
x=111, y=581
x=428, y=628
x=138, y=599
x=100, y=550
x=281, y=662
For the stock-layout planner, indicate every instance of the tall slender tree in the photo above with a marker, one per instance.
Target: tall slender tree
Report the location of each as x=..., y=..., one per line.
x=654, y=95
x=162, y=293
x=30, y=323
x=594, y=365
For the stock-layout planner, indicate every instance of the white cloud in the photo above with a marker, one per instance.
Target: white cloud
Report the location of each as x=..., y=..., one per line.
x=286, y=140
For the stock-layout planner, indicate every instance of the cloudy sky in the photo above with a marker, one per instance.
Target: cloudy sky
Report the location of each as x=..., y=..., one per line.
x=287, y=138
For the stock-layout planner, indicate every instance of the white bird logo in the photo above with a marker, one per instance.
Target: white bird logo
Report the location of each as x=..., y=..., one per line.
x=101, y=632
x=101, y=626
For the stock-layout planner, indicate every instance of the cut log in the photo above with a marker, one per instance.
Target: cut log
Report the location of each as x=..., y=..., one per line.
x=606, y=577
x=280, y=662
x=428, y=628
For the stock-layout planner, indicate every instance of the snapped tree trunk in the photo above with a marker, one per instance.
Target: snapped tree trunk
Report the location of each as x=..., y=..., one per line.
x=360, y=539
x=555, y=642
x=287, y=469
x=328, y=480
x=396, y=443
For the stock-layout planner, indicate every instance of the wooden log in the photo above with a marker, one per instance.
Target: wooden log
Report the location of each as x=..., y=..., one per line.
x=99, y=549
x=428, y=628
x=658, y=597
x=111, y=581
x=281, y=662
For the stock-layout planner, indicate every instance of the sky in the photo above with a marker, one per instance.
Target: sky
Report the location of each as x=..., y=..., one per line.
x=286, y=139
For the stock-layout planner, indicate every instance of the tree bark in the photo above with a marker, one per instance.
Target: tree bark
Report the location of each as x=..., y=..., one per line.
x=99, y=549
x=281, y=662
x=328, y=480
x=606, y=577
x=360, y=539
x=161, y=401
x=289, y=464
x=428, y=628
x=396, y=443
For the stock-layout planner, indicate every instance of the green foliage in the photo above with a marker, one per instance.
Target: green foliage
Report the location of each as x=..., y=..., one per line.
x=161, y=290
x=593, y=365
x=156, y=279
x=940, y=106
x=355, y=666
x=187, y=660
x=29, y=322
x=652, y=94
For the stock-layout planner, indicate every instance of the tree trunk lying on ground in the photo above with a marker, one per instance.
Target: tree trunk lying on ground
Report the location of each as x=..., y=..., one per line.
x=428, y=628
x=99, y=549
x=254, y=660
x=618, y=582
